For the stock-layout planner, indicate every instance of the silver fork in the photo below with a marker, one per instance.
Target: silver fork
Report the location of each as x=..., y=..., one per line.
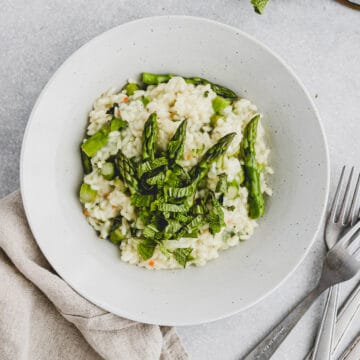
x=342, y=216
x=340, y=264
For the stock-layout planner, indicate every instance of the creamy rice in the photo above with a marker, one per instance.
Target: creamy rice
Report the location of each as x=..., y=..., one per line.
x=173, y=102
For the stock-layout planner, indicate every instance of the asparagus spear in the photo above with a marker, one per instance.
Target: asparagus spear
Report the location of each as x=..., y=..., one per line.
x=87, y=194
x=108, y=171
x=130, y=88
x=251, y=169
x=149, y=138
x=219, y=104
x=212, y=155
x=154, y=79
x=176, y=144
x=126, y=171
x=95, y=142
x=86, y=162
x=218, y=89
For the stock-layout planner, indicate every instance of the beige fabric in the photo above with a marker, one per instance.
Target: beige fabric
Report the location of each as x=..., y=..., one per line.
x=41, y=317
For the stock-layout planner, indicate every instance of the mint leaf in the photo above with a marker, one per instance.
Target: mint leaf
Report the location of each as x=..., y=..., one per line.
x=146, y=249
x=164, y=250
x=259, y=5
x=183, y=255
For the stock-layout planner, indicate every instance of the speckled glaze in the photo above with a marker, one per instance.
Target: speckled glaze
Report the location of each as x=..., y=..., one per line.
x=241, y=276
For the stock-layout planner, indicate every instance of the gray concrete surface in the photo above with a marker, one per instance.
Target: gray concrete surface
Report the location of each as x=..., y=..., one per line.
x=319, y=39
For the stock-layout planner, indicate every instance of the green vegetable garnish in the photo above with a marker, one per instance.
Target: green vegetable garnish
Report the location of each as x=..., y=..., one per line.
x=142, y=200
x=108, y=171
x=251, y=171
x=219, y=104
x=95, y=142
x=176, y=144
x=163, y=193
x=116, y=236
x=86, y=162
x=183, y=255
x=118, y=124
x=259, y=5
x=221, y=186
x=126, y=171
x=130, y=88
x=213, y=154
x=87, y=194
x=148, y=166
x=154, y=79
x=146, y=249
x=149, y=138
x=214, y=119
x=171, y=201
x=145, y=100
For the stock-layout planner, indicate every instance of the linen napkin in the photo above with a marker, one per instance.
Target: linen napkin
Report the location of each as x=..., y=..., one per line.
x=41, y=317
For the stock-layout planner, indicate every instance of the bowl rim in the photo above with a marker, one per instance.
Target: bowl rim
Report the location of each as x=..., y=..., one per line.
x=53, y=78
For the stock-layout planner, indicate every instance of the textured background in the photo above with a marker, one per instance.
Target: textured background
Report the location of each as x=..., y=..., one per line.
x=319, y=39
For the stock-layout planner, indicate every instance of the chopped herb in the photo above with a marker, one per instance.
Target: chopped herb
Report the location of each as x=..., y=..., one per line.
x=146, y=249
x=141, y=200
x=145, y=100
x=221, y=186
x=206, y=93
x=183, y=255
x=118, y=124
x=163, y=249
x=148, y=166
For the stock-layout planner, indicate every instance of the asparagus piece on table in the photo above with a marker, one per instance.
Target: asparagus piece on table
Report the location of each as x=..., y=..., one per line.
x=251, y=169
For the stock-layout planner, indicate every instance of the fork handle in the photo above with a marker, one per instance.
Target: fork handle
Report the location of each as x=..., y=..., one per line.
x=324, y=340
x=266, y=348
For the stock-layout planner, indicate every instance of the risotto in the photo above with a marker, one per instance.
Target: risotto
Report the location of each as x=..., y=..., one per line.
x=174, y=170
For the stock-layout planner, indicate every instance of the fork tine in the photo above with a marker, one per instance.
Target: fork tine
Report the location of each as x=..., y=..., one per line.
x=344, y=204
x=354, y=243
x=354, y=248
x=345, y=240
x=357, y=254
x=335, y=202
x=352, y=218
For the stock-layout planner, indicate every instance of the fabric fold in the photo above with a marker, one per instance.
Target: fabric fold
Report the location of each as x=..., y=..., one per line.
x=42, y=317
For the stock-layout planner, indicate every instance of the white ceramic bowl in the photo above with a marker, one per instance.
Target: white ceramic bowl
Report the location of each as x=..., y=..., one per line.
x=51, y=171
